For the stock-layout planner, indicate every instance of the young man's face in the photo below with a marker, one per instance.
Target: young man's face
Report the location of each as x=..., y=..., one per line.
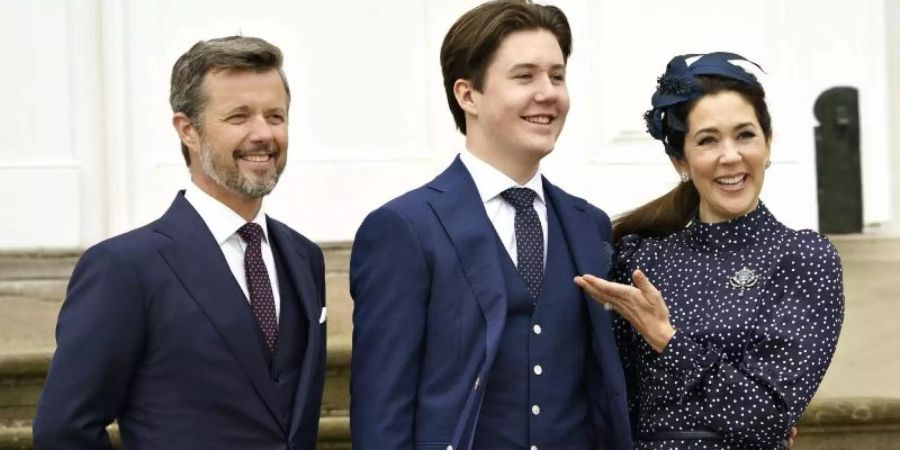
x=523, y=103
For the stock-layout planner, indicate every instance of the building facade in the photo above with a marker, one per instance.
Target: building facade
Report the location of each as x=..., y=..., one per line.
x=87, y=149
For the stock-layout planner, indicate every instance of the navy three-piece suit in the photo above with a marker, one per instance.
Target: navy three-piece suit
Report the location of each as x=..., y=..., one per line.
x=156, y=333
x=449, y=350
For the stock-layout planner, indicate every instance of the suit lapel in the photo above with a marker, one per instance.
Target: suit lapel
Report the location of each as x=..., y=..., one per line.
x=592, y=254
x=590, y=251
x=297, y=266
x=198, y=262
x=461, y=213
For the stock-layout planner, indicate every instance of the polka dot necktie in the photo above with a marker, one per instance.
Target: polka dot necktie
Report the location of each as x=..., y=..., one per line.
x=529, y=238
x=262, y=301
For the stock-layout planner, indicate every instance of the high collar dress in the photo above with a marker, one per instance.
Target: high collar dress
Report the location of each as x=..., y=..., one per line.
x=758, y=308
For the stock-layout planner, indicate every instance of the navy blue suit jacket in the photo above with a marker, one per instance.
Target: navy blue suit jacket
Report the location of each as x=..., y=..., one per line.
x=156, y=333
x=430, y=307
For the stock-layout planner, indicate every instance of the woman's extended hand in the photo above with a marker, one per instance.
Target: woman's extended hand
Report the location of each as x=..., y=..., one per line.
x=641, y=305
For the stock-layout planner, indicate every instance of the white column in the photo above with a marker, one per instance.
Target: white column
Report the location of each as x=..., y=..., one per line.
x=41, y=170
x=86, y=90
x=892, y=17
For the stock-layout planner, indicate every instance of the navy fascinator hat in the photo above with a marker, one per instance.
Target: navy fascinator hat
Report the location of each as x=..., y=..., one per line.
x=679, y=85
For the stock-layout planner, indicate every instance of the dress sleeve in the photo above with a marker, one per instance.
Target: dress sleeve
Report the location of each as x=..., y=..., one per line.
x=625, y=261
x=758, y=398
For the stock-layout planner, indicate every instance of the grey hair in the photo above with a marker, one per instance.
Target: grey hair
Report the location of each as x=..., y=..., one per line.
x=186, y=93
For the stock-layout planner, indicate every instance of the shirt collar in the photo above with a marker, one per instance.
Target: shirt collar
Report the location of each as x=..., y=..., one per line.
x=490, y=182
x=221, y=220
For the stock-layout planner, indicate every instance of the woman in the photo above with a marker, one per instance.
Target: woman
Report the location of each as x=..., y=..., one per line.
x=726, y=319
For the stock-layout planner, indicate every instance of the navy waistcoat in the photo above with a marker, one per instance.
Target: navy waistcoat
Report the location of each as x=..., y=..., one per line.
x=286, y=362
x=535, y=393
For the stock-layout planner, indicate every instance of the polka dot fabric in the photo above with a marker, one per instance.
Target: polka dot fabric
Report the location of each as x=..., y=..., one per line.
x=262, y=301
x=742, y=364
x=529, y=238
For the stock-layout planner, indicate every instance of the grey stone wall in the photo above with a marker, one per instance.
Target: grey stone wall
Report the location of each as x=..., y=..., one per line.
x=857, y=407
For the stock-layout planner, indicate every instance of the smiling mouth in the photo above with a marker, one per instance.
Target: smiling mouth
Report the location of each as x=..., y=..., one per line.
x=539, y=119
x=731, y=181
x=257, y=158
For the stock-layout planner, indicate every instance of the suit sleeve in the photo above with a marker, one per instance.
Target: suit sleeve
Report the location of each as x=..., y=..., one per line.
x=319, y=276
x=99, y=338
x=389, y=282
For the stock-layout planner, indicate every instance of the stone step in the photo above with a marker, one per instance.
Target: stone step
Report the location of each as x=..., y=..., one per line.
x=37, y=264
x=22, y=378
x=828, y=424
x=33, y=286
x=858, y=405
x=855, y=248
x=333, y=435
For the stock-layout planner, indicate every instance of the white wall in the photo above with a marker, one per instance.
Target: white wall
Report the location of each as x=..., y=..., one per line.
x=48, y=121
x=87, y=149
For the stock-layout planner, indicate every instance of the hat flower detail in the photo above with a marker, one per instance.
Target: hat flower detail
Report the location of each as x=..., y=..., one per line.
x=680, y=85
x=654, y=121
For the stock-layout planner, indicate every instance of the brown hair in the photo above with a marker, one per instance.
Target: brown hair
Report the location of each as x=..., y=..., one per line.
x=186, y=93
x=470, y=44
x=674, y=210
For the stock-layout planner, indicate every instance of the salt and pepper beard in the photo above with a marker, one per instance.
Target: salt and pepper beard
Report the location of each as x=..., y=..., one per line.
x=231, y=177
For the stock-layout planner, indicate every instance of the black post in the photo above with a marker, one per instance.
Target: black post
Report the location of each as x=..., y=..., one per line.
x=838, y=174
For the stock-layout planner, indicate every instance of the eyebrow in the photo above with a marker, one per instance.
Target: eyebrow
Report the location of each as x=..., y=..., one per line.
x=535, y=66
x=716, y=130
x=232, y=110
x=245, y=108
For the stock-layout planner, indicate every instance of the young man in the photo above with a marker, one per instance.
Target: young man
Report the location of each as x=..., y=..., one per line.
x=200, y=330
x=469, y=331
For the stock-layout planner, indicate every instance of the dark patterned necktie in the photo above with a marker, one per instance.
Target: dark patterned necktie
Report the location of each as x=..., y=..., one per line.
x=529, y=238
x=262, y=301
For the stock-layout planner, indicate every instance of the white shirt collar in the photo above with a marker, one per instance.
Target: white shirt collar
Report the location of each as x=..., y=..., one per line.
x=221, y=220
x=490, y=182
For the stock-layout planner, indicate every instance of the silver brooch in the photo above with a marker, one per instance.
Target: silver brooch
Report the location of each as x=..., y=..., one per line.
x=744, y=279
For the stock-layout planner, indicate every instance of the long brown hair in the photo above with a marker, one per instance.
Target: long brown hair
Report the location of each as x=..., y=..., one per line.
x=675, y=209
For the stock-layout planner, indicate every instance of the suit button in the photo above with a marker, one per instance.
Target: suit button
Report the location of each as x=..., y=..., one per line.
x=538, y=369
x=536, y=328
x=534, y=447
x=535, y=409
x=449, y=447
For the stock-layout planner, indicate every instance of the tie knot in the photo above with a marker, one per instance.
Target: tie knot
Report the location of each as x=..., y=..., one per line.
x=519, y=197
x=251, y=233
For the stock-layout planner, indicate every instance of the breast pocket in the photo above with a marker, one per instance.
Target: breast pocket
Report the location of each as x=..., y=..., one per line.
x=431, y=445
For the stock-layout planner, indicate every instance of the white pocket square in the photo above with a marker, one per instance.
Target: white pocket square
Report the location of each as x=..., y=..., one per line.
x=324, y=314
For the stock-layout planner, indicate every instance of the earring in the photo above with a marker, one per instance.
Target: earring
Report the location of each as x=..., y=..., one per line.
x=685, y=177
x=768, y=163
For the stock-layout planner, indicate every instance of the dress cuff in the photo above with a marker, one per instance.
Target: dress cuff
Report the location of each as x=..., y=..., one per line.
x=683, y=355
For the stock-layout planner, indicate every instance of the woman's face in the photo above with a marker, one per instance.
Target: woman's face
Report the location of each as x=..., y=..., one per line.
x=725, y=154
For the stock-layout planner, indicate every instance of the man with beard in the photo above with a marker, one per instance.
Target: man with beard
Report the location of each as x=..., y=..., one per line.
x=204, y=329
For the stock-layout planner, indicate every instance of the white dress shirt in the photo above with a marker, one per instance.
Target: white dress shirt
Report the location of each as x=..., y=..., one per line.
x=223, y=223
x=490, y=183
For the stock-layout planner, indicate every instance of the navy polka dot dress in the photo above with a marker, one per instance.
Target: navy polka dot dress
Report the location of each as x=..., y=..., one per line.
x=758, y=308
